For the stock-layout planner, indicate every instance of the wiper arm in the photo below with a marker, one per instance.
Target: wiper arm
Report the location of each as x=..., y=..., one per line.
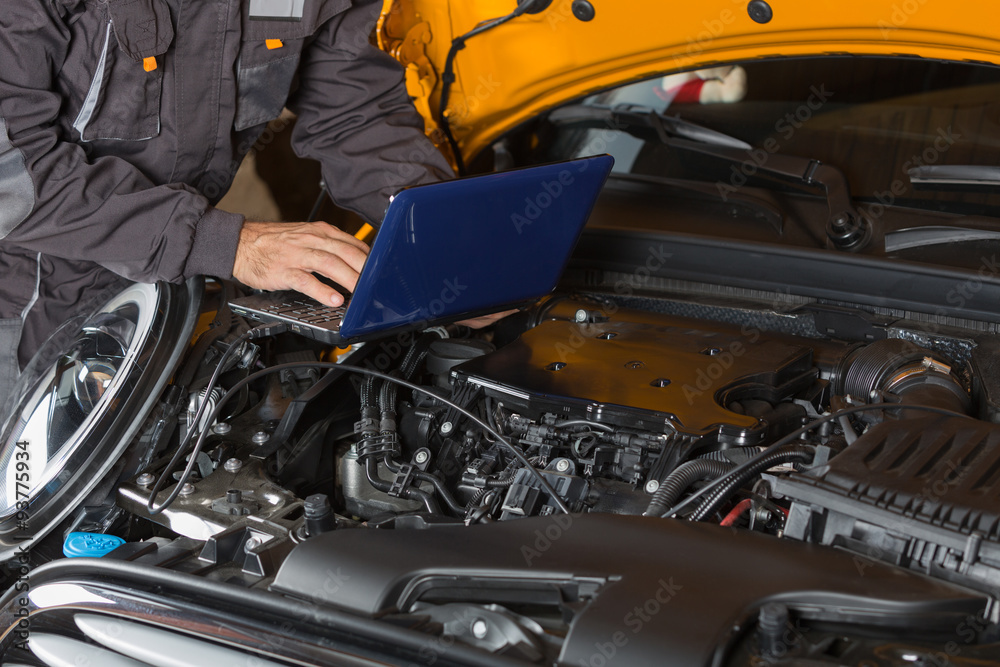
x=636, y=114
x=973, y=175
x=846, y=228
x=917, y=237
x=598, y=116
x=763, y=207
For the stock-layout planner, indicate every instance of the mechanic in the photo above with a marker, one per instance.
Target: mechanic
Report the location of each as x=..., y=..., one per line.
x=122, y=123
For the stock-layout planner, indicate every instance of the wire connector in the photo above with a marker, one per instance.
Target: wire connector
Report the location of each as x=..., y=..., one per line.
x=268, y=329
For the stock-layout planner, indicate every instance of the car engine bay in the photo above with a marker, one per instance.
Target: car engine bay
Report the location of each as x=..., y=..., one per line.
x=477, y=485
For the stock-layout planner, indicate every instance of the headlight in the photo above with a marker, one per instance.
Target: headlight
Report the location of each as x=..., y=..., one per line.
x=74, y=416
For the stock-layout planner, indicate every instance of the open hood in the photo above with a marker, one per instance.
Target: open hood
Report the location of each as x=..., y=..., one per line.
x=537, y=61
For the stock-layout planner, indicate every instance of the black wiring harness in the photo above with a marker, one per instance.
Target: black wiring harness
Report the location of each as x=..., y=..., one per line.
x=274, y=329
x=378, y=443
x=718, y=491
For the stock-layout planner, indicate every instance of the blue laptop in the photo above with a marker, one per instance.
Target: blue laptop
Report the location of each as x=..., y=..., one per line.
x=452, y=250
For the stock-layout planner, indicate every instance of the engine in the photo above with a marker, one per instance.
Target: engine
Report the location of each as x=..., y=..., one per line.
x=605, y=407
x=583, y=406
x=479, y=486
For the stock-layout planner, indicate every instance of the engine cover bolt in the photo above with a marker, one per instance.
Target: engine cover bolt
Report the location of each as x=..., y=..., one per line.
x=187, y=489
x=252, y=544
x=232, y=465
x=652, y=485
x=562, y=465
x=222, y=428
x=422, y=456
x=447, y=428
x=145, y=479
x=260, y=437
x=581, y=316
x=480, y=628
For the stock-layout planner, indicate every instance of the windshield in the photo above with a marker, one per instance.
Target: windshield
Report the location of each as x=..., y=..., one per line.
x=876, y=119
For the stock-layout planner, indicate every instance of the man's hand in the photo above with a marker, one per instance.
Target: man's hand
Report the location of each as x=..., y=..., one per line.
x=283, y=255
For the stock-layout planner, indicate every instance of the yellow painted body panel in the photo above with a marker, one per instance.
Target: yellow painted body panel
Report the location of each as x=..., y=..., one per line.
x=535, y=62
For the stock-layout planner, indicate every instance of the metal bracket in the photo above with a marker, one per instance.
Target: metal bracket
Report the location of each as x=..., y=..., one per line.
x=294, y=413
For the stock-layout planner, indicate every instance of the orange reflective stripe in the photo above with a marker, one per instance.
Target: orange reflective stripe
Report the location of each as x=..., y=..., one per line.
x=274, y=44
x=149, y=64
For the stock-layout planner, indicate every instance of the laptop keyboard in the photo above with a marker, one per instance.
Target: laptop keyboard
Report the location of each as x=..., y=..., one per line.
x=306, y=310
x=302, y=314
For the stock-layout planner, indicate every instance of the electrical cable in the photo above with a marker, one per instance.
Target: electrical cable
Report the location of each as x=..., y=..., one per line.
x=584, y=422
x=557, y=499
x=787, y=454
x=257, y=332
x=791, y=437
x=448, y=75
x=319, y=202
x=491, y=413
x=734, y=514
x=681, y=479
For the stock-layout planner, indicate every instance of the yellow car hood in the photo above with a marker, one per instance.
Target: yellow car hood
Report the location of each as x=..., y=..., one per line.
x=538, y=61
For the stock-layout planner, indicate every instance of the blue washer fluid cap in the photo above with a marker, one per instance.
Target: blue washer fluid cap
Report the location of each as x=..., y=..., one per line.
x=91, y=545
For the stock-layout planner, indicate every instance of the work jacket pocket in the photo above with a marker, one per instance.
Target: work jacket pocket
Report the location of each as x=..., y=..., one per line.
x=123, y=102
x=271, y=51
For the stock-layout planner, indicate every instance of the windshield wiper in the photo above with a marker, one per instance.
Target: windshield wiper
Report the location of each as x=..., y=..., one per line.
x=597, y=116
x=635, y=114
x=846, y=228
x=762, y=205
x=974, y=175
x=918, y=237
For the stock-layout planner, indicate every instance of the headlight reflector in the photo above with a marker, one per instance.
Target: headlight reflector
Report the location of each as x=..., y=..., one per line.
x=74, y=416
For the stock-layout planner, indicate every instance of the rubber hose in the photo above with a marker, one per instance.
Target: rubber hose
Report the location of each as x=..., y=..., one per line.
x=367, y=392
x=734, y=455
x=404, y=367
x=387, y=397
x=682, y=477
x=429, y=503
x=476, y=499
x=714, y=501
x=416, y=354
x=441, y=491
x=371, y=469
x=850, y=435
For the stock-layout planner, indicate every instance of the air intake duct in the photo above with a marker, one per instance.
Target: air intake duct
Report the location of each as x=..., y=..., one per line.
x=899, y=371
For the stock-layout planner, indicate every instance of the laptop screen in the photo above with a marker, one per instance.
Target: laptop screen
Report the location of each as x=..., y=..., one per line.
x=473, y=245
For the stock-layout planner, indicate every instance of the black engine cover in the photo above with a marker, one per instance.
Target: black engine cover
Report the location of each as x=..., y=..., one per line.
x=646, y=371
x=650, y=591
x=920, y=493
